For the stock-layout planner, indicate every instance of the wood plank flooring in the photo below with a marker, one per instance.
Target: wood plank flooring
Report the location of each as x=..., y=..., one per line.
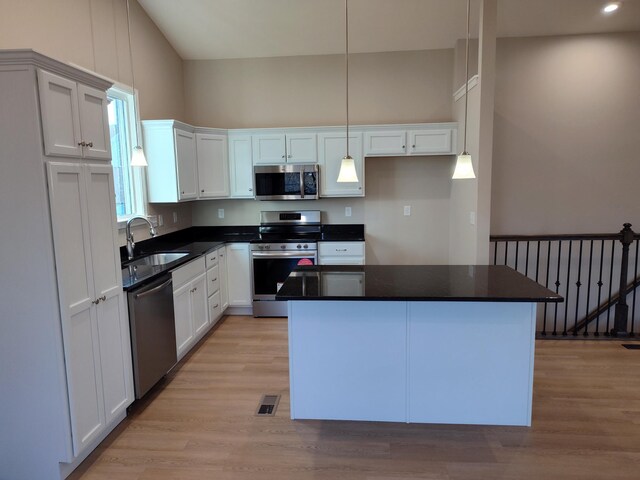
x=200, y=423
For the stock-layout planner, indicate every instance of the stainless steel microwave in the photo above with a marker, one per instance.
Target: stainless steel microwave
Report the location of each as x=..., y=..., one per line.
x=286, y=182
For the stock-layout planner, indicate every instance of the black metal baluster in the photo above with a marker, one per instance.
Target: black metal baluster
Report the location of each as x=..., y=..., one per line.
x=633, y=309
x=526, y=264
x=613, y=248
x=495, y=253
x=544, y=326
x=566, y=298
x=506, y=249
x=555, y=314
x=537, y=261
x=597, y=332
x=586, y=310
x=578, y=285
x=517, y=249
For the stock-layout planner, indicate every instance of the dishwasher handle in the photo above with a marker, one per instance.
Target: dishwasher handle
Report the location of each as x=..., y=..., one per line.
x=153, y=290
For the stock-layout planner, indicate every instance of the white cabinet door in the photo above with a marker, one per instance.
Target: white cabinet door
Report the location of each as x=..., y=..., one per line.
x=182, y=313
x=60, y=119
x=185, y=143
x=215, y=308
x=331, y=149
x=213, y=165
x=112, y=320
x=94, y=123
x=199, y=308
x=385, y=143
x=268, y=149
x=68, y=203
x=302, y=148
x=223, y=278
x=240, y=167
x=239, y=274
x=430, y=142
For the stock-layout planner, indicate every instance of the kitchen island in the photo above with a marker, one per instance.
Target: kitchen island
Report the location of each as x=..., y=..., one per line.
x=426, y=344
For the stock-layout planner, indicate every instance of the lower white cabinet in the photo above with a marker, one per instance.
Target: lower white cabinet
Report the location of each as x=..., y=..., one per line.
x=341, y=253
x=239, y=274
x=224, y=287
x=190, y=306
x=95, y=326
x=216, y=278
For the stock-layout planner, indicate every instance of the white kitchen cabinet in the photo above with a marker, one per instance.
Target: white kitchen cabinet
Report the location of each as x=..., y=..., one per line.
x=213, y=165
x=331, y=149
x=224, y=288
x=239, y=274
x=190, y=304
x=74, y=118
x=94, y=322
x=170, y=148
x=240, y=167
x=388, y=142
x=416, y=139
x=341, y=253
x=278, y=149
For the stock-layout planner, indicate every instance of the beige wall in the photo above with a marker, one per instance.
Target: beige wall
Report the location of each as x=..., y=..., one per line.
x=391, y=183
x=93, y=35
x=397, y=87
x=567, y=111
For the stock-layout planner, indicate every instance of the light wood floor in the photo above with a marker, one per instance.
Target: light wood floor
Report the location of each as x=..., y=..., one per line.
x=200, y=424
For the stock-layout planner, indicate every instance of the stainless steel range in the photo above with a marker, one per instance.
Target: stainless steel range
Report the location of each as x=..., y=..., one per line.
x=287, y=239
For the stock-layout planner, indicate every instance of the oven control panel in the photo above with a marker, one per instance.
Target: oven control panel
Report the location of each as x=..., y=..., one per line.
x=275, y=247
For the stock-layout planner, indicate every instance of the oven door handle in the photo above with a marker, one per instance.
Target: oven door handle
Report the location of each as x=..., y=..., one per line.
x=283, y=254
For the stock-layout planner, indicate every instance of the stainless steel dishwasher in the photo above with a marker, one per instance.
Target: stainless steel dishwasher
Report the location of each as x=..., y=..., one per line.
x=153, y=333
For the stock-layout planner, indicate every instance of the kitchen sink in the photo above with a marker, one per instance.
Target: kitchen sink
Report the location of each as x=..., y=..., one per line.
x=157, y=259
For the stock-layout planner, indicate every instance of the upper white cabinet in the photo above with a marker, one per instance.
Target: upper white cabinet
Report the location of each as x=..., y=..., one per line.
x=274, y=149
x=240, y=167
x=170, y=148
x=213, y=166
x=419, y=139
x=332, y=147
x=74, y=118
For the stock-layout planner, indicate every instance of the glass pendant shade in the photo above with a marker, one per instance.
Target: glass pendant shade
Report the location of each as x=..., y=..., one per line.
x=137, y=157
x=347, y=171
x=464, y=167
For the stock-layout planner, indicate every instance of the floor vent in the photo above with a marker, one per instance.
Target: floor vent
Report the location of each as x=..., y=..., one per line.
x=631, y=346
x=268, y=405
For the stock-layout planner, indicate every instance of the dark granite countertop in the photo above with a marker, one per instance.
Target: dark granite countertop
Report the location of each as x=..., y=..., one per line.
x=459, y=283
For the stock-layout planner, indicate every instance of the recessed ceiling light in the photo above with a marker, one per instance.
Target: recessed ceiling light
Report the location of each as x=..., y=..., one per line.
x=611, y=7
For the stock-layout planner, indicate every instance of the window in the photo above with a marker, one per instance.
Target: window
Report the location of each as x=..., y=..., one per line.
x=128, y=181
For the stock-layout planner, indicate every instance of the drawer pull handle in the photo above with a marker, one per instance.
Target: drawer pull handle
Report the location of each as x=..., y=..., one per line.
x=216, y=305
x=215, y=279
x=341, y=249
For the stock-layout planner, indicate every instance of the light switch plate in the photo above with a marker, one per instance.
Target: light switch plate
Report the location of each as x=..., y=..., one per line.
x=347, y=211
x=175, y=217
x=221, y=213
x=407, y=210
x=472, y=218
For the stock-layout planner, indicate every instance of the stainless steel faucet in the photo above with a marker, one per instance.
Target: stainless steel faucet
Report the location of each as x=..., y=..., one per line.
x=130, y=243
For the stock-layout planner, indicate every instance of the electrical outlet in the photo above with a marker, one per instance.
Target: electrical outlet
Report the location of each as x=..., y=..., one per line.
x=160, y=220
x=221, y=213
x=175, y=217
x=347, y=211
x=407, y=210
x=472, y=218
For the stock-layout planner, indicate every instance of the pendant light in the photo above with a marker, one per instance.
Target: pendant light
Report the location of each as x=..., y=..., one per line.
x=137, y=155
x=464, y=165
x=348, y=172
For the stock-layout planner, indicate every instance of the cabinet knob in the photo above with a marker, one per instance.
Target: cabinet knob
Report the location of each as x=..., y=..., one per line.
x=202, y=191
x=82, y=144
x=251, y=189
x=182, y=192
x=404, y=146
x=413, y=146
x=359, y=188
x=216, y=305
x=282, y=156
x=214, y=280
x=90, y=144
x=288, y=156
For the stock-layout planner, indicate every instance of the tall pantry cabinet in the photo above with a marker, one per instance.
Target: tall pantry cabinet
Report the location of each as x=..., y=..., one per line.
x=64, y=335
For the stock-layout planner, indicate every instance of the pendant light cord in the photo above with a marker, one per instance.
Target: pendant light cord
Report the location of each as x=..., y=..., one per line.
x=133, y=81
x=346, y=61
x=466, y=80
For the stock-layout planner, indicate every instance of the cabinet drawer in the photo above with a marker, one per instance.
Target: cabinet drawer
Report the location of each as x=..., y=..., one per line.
x=212, y=258
x=332, y=260
x=215, y=308
x=341, y=249
x=213, y=280
x=186, y=272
